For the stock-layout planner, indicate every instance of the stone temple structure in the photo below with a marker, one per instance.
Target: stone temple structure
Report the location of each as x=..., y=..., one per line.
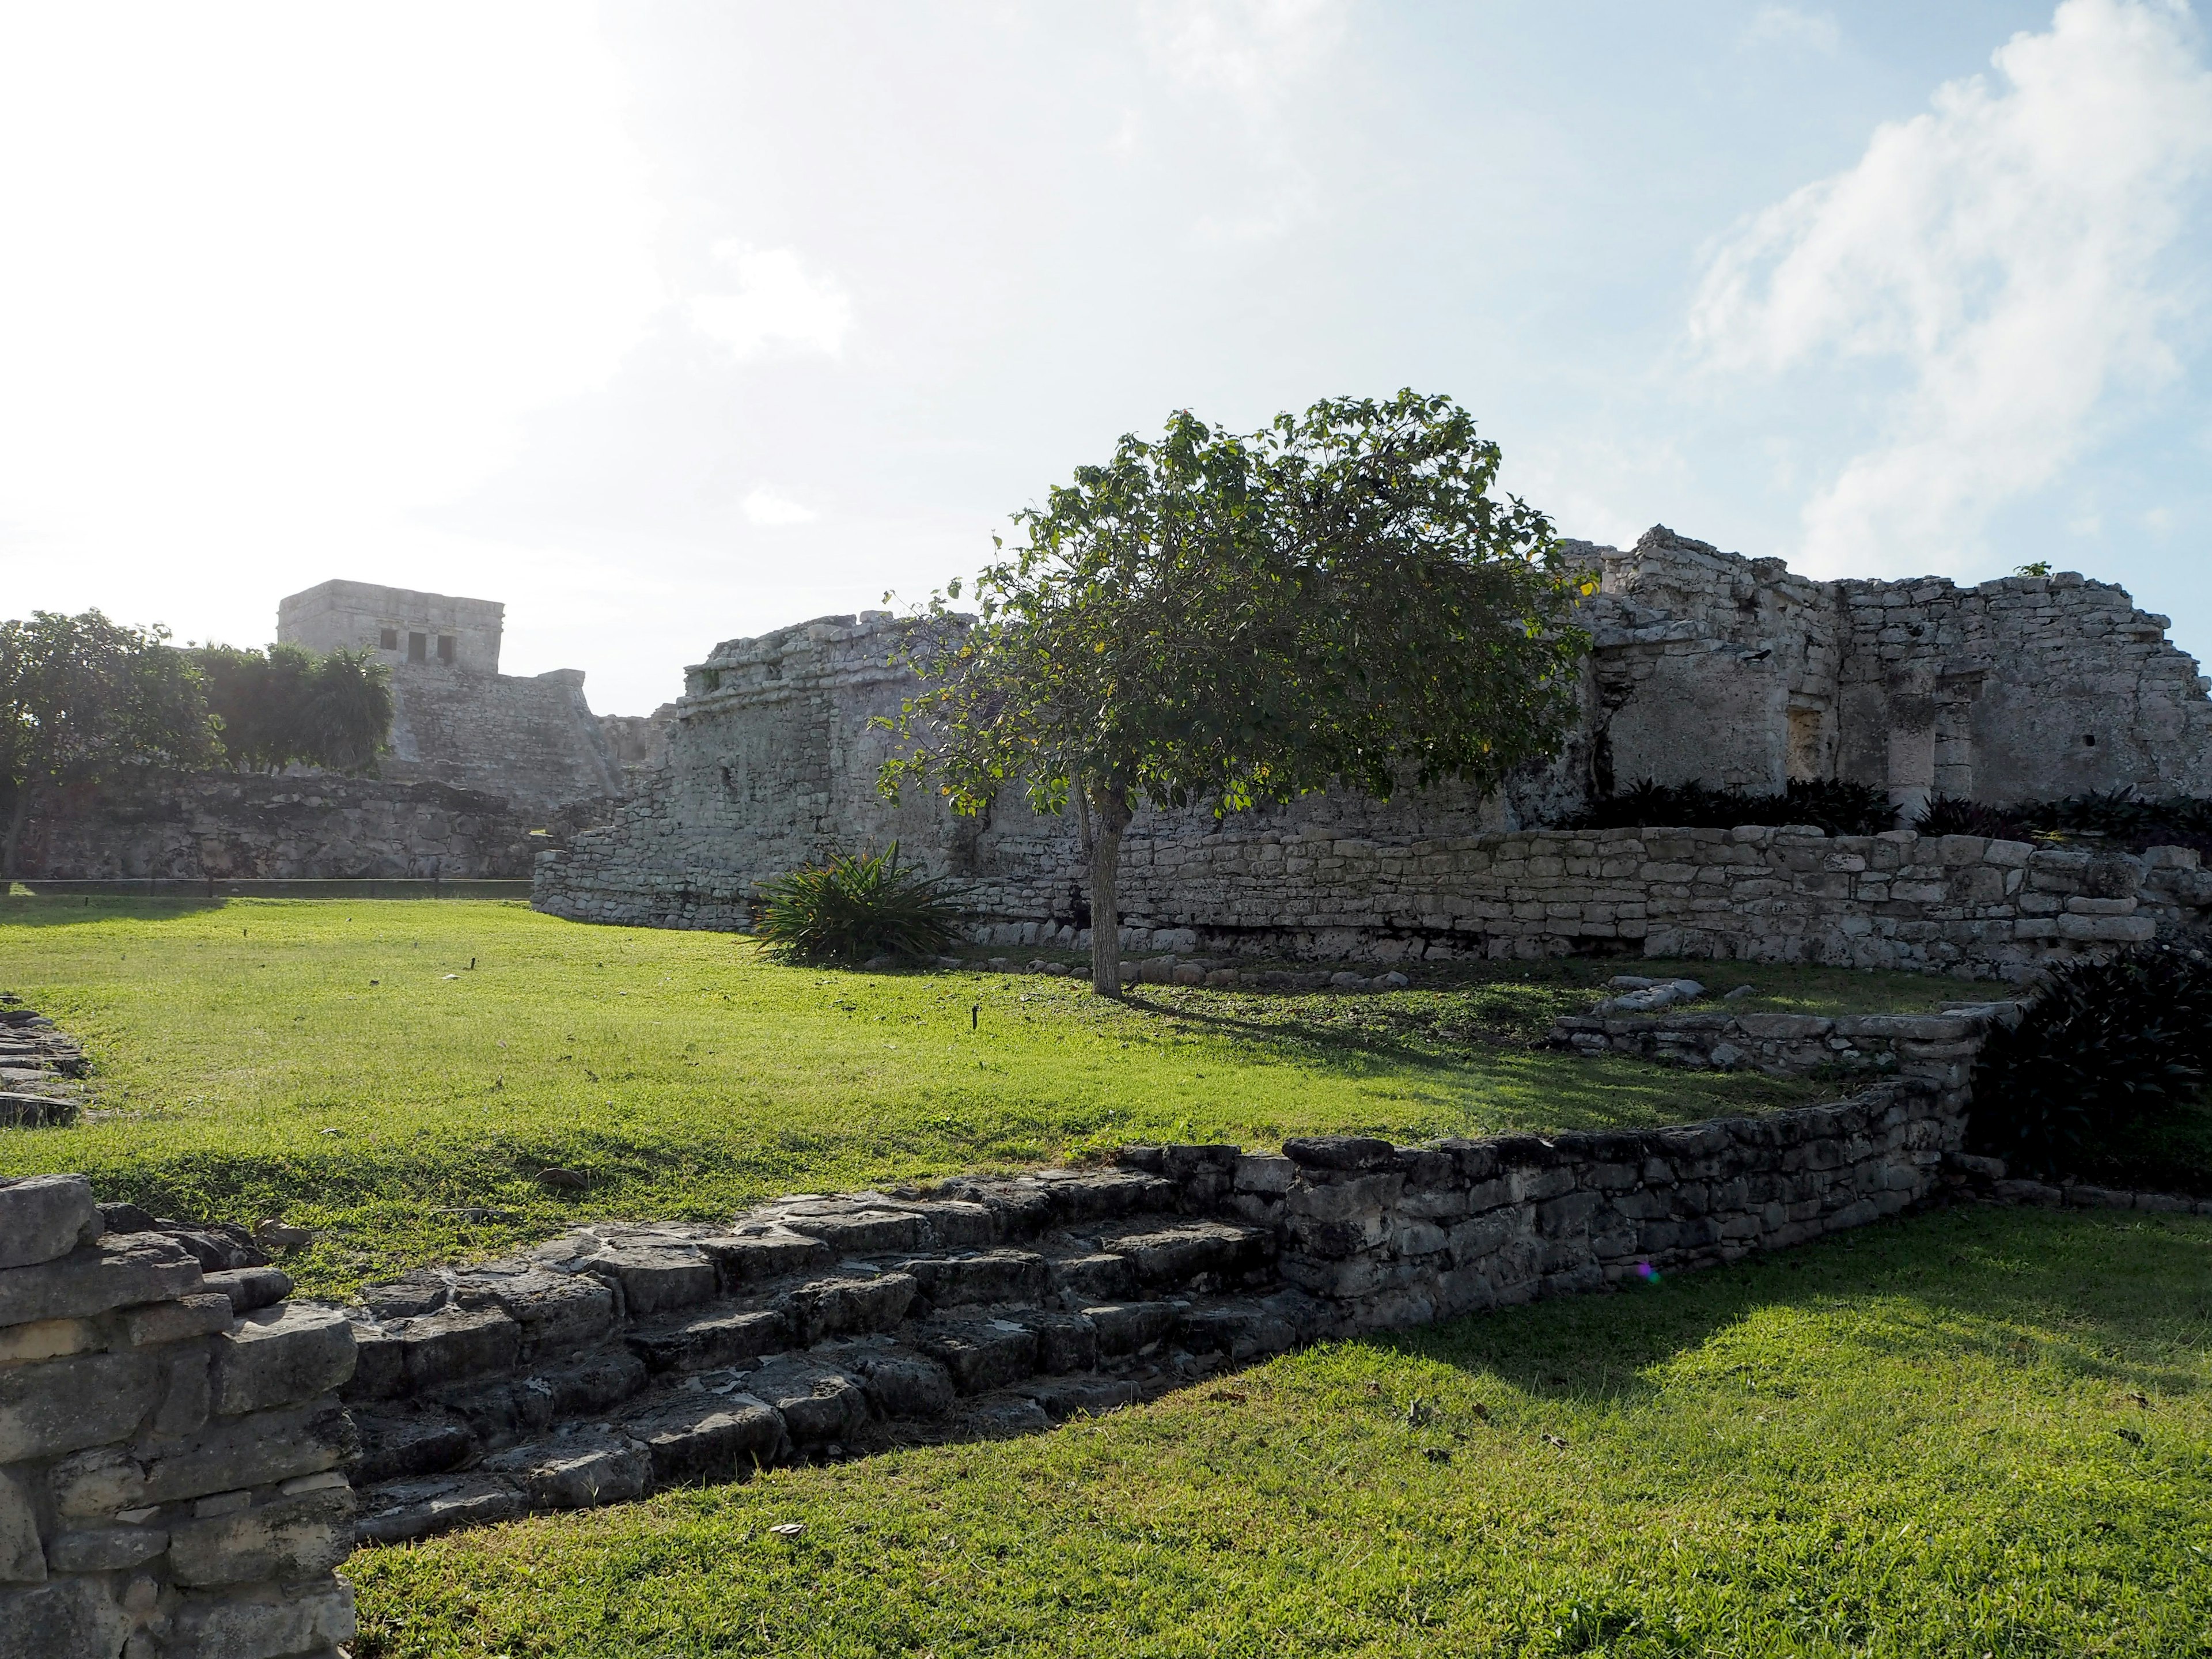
x=456, y=720
x=1705, y=665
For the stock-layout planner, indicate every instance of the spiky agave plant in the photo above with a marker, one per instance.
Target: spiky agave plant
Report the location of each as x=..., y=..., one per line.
x=855, y=906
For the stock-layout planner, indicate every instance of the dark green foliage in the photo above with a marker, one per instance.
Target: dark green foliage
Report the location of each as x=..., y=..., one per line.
x=286, y=706
x=2104, y=1077
x=1955, y=814
x=81, y=697
x=2119, y=818
x=1340, y=600
x=856, y=905
x=1840, y=809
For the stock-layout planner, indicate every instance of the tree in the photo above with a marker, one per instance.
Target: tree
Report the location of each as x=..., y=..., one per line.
x=285, y=706
x=1337, y=601
x=81, y=697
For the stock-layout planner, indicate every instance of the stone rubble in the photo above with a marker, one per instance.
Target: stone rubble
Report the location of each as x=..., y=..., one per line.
x=172, y=1448
x=1940, y=1048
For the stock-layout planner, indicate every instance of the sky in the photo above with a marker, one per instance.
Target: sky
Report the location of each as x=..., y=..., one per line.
x=672, y=322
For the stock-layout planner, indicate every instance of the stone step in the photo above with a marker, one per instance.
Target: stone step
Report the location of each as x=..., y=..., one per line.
x=602, y=1430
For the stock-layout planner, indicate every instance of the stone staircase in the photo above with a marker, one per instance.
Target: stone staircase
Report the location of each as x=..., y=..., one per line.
x=39, y=1068
x=621, y=1359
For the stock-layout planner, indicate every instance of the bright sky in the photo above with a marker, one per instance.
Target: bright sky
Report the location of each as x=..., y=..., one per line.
x=669, y=323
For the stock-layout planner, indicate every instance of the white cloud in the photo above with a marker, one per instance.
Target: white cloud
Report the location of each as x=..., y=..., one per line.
x=1787, y=25
x=1250, y=50
x=2004, y=249
x=777, y=303
x=765, y=507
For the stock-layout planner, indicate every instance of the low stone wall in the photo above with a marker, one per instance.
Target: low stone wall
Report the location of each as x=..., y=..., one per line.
x=1960, y=904
x=224, y=826
x=619, y=1357
x=1940, y=1048
x=171, y=1452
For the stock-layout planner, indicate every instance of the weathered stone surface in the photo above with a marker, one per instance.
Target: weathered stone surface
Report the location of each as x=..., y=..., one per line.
x=758, y=1251
x=987, y=1276
x=656, y=1277
x=281, y=1624
x=705, y=1437
x=116, y=1271
x=249, y=1288
x=56, y=1406
x=841, y=1307
x=50, y=1339
x=43, y=1217
x=577, y=1472
x=181, y=1320
x=280, y=1356
x=397, y=1445
x=105, y=1549
x=21, y=1560
x=709, y=1339
x=229, y=1452
x=407, y=1509
x=903, y=1383
x=68, y=1619
x=981, y=1354
x=454, y=1343
x=1177, y=1254
x=1131, y=1328
x=819, y=1403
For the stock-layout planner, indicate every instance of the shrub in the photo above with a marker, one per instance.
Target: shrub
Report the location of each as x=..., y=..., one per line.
x=857, y=906
x=1840, y=809
x=2103, y=1076
x=2118, y=817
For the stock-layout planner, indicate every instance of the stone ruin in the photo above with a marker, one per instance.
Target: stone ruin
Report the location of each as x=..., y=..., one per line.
x=1705, y=666
x=484, y=769
x=172, y=1451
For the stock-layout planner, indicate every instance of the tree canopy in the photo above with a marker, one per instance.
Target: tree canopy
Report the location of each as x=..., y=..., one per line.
x=81, y=697
x=286, y=706
x=1220, y=620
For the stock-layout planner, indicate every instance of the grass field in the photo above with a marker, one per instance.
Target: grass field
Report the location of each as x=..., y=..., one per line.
x=1978, y=1433
x=368, y=1068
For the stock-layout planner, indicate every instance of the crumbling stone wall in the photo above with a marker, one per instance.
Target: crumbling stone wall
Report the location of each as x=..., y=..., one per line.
x=171, y=1451
x=226, y=826
x=1704, y=666
x=621, y=1357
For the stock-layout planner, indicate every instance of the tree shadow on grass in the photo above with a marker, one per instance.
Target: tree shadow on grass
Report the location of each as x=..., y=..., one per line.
x=2108, y=1294
x=79, y=910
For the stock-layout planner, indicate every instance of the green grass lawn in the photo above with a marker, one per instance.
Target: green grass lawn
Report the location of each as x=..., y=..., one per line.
x=343, y=1065
x=1979, y=1433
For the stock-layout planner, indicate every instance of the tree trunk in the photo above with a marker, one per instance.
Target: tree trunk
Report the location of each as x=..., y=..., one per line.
x=17, y=820
x=1112, y=807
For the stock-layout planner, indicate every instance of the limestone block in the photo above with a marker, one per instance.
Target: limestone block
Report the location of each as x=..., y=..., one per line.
x=903, y=1384
x=838, y=1307
x=280, y=1356
x=1003, y=1275
x=227, y=1453
x=270, y=1625
x=21, y=1560
x=577, y=1472
x=105, y=1549
x=707, y=1437
x=695, y=1344
x=188, y=1316
x=655, y=1276
x=50, y=1339
x=56, y=1406
x=118, y=1271
x=43, y=1217
x=69, y=1618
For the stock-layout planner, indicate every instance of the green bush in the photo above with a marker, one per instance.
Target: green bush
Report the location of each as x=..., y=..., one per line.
x=2104, y=1077
x=857, y=906
x=1841, y=809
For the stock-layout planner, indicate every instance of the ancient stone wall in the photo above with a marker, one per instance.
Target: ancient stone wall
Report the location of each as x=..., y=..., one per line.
x=1704, y=666
x=231, y=826
x=532, y=741
x=621, y=1357
x=171, y=1452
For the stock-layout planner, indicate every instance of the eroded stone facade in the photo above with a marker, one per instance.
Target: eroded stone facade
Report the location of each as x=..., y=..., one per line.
x=532, y=739
x=1704, y=666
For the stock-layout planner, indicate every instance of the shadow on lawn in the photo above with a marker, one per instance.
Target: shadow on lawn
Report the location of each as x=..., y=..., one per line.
x=2092, y=1293
x=78, y=910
